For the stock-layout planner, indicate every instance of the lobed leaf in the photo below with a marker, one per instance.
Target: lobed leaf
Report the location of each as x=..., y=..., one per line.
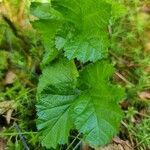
x=56, y=93
x=92, y=108
x=54, y=120
x=87, y=22
x=83, y=31
x=96, y=111
x=89, y=103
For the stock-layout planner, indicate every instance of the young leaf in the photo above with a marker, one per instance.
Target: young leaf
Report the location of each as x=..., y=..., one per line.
x=96, y=111
x=86, y=23
x=56, y=89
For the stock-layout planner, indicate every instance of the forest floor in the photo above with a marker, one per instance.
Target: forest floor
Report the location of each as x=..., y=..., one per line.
x=20, y=55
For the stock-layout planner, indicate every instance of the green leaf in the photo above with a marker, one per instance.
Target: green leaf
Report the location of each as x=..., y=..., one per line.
x=96, y=112
x=54, y=119
x=44, y=11
x=47, y=29
x=85, y=27
x=60, y=74
x=47, y=26
x=79, y=28
x=118, y=9
x=57, y=85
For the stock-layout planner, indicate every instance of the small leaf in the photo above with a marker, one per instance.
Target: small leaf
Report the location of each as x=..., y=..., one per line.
x=96, y=111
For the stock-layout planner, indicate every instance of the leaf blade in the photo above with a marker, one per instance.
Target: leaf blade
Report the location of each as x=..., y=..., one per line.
x=56, y=93
x=96, y=111
x=88, y=28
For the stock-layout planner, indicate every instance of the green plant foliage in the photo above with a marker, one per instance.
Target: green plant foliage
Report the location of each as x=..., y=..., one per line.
x=60, y=73
x=118, y=9
x=57, y=85
x=54, y=119
x=47, y=27
x=91, y=105
x=88, y=38
x=69, y=98
x=43, y=11
x=94, y=112
x=83, y=33
x=42, y=27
